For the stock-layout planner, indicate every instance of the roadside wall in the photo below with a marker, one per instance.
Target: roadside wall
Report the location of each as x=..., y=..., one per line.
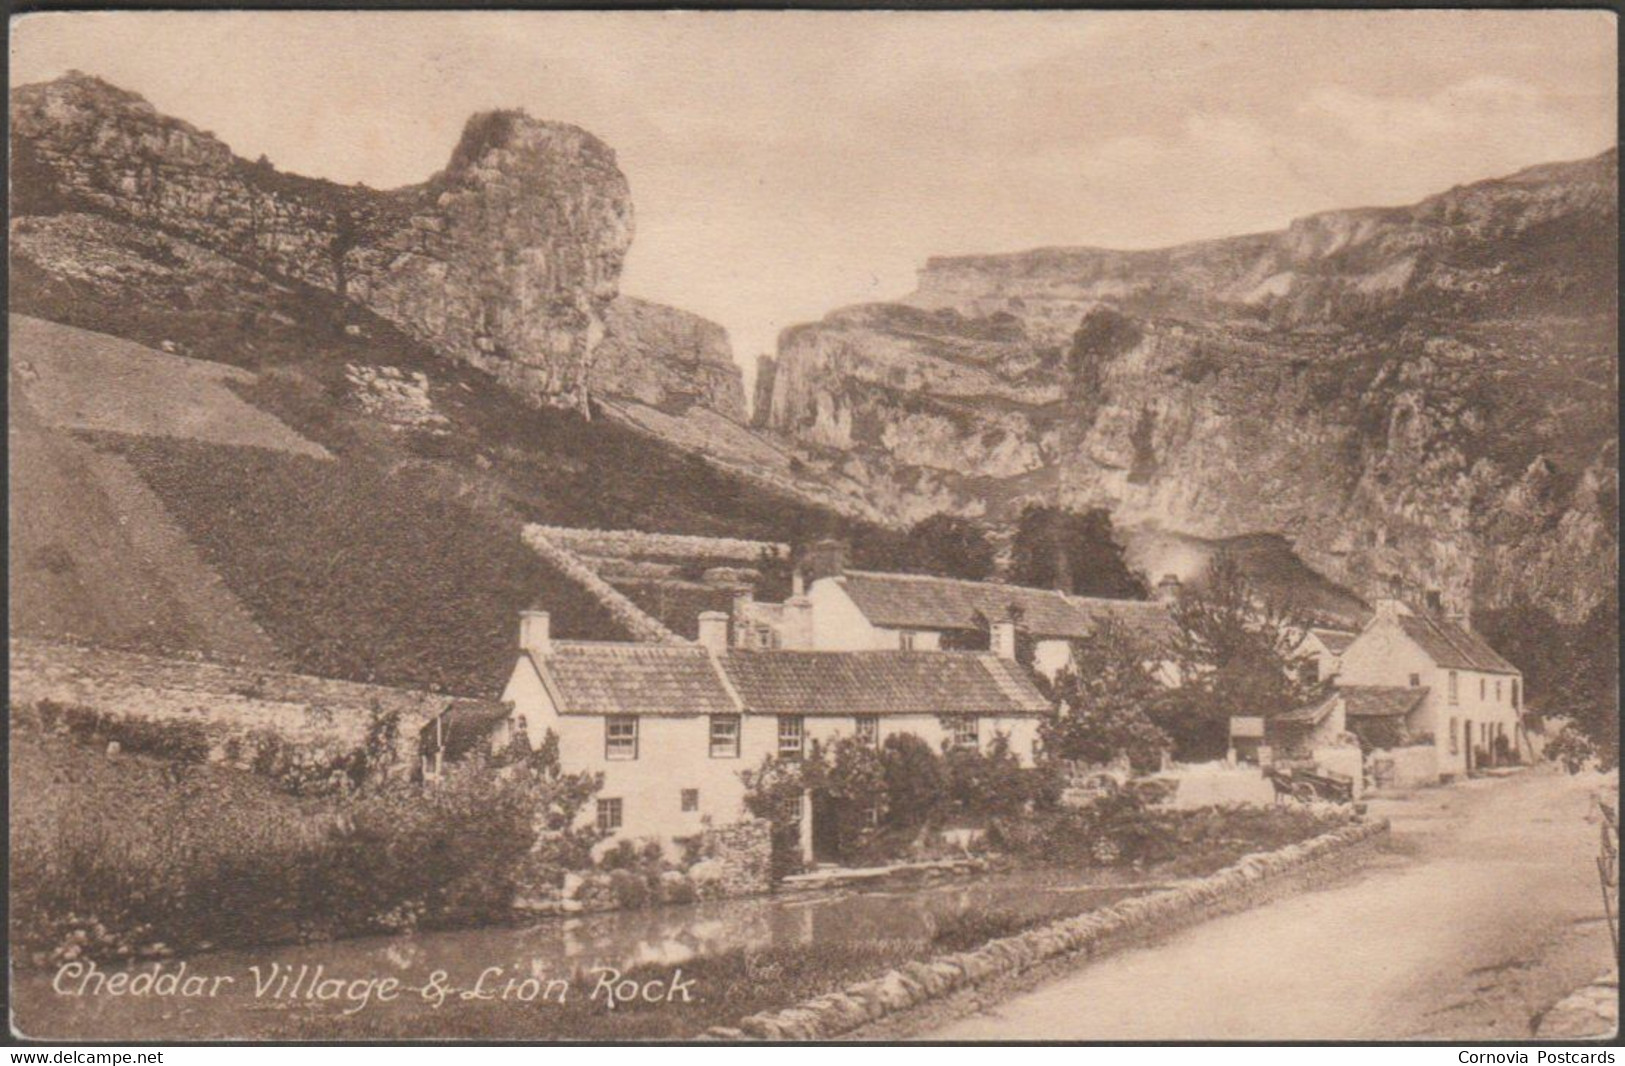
x=881, y=1007
x=1410, y=767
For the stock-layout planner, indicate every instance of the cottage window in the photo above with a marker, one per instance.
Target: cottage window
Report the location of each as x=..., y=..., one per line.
x=691, y=799
x=792, y=734
x=1416, y=681
x=621, y=737
x=964, y=732
x=1454, y=696
x=905, y=640
x=1455, y=736
x=1498, y=692
x=609, y=815
x=1483, y=690
x=866, y=727
x=724, y=736
x=1514, y=693
x=1309, y=671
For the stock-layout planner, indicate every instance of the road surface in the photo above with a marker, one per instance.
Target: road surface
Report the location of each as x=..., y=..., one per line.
x=1482, y=912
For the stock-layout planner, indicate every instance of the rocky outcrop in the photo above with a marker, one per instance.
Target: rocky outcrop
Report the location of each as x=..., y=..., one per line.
x=1421, y=395
x=508, y=259
x=668, y=358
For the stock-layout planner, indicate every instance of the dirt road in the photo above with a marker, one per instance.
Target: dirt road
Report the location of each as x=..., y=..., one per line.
x=1481, y=913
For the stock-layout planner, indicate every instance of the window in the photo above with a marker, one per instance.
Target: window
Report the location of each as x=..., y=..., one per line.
x=621, y=737
x=691, y=799
x=1309, y=671
x=1455, y=737
x=905, y=640
x=866, y=727
x=609, y=815
x=1454, y=697
x=1416, y=681
x=1498, y=692
x=1483, y=690
x=1514, y=693
x=791, y=734
x=963, y=731
x=724, y=736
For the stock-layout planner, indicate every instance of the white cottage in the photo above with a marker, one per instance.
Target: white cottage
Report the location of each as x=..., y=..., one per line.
x=670, y=726
x=1441, y=679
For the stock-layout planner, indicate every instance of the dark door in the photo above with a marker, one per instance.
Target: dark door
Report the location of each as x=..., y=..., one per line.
x=1467, y=737
x=825, y=830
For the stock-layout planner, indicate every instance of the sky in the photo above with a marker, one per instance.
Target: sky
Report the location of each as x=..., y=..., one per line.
x=783, y=164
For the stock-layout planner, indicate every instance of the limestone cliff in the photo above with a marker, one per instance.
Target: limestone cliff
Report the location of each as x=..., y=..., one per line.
x=1421, y=394
x=508, y=259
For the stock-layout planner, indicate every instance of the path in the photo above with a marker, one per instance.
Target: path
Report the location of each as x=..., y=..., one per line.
x=1481, y=913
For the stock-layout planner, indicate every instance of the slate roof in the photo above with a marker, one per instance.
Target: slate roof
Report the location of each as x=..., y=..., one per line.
x=1452, y=646
x=918, y=601
x=881, y=682
x=1312, y=714
x=653, y=679
x=1335, y=640
x=1381, y=701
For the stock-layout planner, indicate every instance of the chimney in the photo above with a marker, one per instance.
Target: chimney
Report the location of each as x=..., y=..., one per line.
x=1389, y=608
x=796, y=634
x=535, y=633
x=798, y=584
x=1003, y=642
x=1435, y=601
x=1168, y=588
x=826, y=558
x=714, y=631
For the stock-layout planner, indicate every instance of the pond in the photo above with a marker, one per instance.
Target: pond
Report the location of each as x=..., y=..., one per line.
x=245, y=994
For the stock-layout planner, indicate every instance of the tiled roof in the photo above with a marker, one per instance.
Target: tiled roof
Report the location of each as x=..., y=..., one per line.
x=1335, y=640
x=1312, y=714
x=917, y=601
x=656, y=679
x=881, y=682
x=1381, y=701
x=1453, y=646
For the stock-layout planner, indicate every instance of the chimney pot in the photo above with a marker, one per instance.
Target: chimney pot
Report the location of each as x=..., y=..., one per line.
x=1004, y=639
x=714, y=630
x=535, y=633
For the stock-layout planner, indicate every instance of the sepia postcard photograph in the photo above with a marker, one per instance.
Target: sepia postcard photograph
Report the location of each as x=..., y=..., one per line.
x=773, y=526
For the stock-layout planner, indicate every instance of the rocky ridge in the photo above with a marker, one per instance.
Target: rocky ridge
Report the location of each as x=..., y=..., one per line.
x=1421, y=396
x=508, y=259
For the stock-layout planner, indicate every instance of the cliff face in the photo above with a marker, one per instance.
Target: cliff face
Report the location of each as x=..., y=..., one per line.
x=508, y=259
x=668, y=358
x=1421, y=394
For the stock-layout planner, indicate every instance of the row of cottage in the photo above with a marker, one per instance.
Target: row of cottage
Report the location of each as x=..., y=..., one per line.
x=864, y=654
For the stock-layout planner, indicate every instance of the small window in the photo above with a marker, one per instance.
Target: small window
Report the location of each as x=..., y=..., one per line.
x=724, y=736
x=905, y=640
x=964, y=733
x=1416, y=681
x=1454, y=695
x=1498, y=692
x=621, y=737
x=609, y=815
x=1514, y=693
x=1483, y=690
x=791, y=736
x=1455, y=736
x=1309, y=671
x=691, y=799
x=866, y=727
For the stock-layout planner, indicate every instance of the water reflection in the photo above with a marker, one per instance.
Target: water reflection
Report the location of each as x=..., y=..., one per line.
x=571, y=948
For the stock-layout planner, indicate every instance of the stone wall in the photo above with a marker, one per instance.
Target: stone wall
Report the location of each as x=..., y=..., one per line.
x=642, y=625
x=1410, y=767
x=880, y=1006
x=235, y=705
x=738, y=860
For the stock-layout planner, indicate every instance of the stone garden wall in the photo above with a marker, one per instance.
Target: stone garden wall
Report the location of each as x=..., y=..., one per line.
x=880, y=1007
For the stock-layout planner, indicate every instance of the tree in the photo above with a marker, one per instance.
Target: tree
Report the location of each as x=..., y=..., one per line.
x=1237, y=653
x=916, y=785
x=1077, y=553
x=949, y=546
x=1104, y=702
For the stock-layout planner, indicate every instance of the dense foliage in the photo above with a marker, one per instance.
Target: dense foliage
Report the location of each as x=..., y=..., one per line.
x=1077, y=553
x=1237, y=652
x=124, y=855
x=1105, y=698
x=1570, y=671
